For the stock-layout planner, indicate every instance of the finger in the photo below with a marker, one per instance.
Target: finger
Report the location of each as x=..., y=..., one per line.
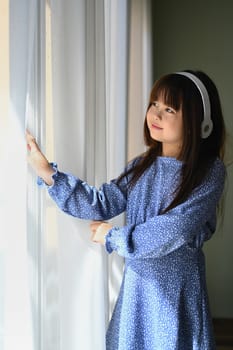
x=93, y=237
x=32, y=146
x=31, y=143
x=28, y=133
x=29, y=136
x=93, y=230
x=95, y=224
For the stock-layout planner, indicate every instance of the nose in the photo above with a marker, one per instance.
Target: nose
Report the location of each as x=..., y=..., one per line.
x=158, y=114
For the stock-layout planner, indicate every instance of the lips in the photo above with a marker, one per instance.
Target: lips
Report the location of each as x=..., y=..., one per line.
x=155, y=126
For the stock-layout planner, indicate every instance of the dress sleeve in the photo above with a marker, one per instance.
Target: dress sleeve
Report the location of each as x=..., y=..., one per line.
x=162, y=234
x=75, y=197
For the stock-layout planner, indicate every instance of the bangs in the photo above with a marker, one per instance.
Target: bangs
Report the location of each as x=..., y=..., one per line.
x=169, y=90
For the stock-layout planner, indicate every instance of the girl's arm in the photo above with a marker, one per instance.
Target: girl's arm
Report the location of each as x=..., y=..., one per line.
x=192, y=221
x=74, y=196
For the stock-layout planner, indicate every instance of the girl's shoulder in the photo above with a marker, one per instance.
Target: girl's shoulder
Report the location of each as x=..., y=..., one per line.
x=215, y=177
x=217, y=168
x=134, y=162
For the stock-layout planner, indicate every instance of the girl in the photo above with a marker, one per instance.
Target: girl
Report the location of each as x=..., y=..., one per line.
x=170, y=195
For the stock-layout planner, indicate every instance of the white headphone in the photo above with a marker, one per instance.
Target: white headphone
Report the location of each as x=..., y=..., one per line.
x=207, y=124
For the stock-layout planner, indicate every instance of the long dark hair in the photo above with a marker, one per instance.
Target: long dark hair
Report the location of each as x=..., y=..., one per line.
x=196, y=154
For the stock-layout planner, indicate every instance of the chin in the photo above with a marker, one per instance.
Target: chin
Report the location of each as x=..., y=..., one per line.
x=155, y=138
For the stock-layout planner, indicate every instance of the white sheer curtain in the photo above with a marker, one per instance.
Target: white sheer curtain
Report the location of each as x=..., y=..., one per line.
x=140, y=73
x=69, y=79
x=86, y=135
x=15, y=306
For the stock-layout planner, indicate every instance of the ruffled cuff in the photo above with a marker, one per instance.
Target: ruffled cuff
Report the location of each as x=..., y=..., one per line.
x=108, y=242
x=113, y=239
x=40, y=181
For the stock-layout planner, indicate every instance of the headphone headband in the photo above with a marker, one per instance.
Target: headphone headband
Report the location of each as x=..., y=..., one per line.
x=207, y=124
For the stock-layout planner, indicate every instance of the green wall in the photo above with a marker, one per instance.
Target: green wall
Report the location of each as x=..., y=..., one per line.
x=199, y=35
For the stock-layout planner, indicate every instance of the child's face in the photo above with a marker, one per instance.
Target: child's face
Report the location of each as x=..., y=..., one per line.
x=165, y=125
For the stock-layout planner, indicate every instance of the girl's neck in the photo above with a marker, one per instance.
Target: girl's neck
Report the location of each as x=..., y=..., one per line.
x=170, y=150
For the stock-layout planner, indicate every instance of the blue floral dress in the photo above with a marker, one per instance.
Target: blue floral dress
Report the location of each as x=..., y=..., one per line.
x=163, y=302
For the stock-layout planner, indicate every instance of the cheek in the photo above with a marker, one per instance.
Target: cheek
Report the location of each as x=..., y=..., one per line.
x=148, y=117
x=176, y=129
x=180, y=132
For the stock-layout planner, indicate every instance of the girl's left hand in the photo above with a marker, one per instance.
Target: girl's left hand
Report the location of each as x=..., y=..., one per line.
x=99, y=230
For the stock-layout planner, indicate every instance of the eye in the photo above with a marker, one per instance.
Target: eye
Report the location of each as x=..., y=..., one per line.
x=155, y=104
x=170, y=110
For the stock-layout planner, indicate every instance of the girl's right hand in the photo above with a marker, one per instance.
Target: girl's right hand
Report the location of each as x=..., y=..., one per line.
x=38, y=161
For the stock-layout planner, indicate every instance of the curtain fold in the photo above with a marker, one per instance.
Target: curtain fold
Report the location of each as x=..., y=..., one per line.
x=16, y=311
x=87, y=81
x=140, y=73
x=34, y=122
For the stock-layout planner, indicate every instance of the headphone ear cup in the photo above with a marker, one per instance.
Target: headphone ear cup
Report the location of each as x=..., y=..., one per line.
x=206, y=128
x=207, y=124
